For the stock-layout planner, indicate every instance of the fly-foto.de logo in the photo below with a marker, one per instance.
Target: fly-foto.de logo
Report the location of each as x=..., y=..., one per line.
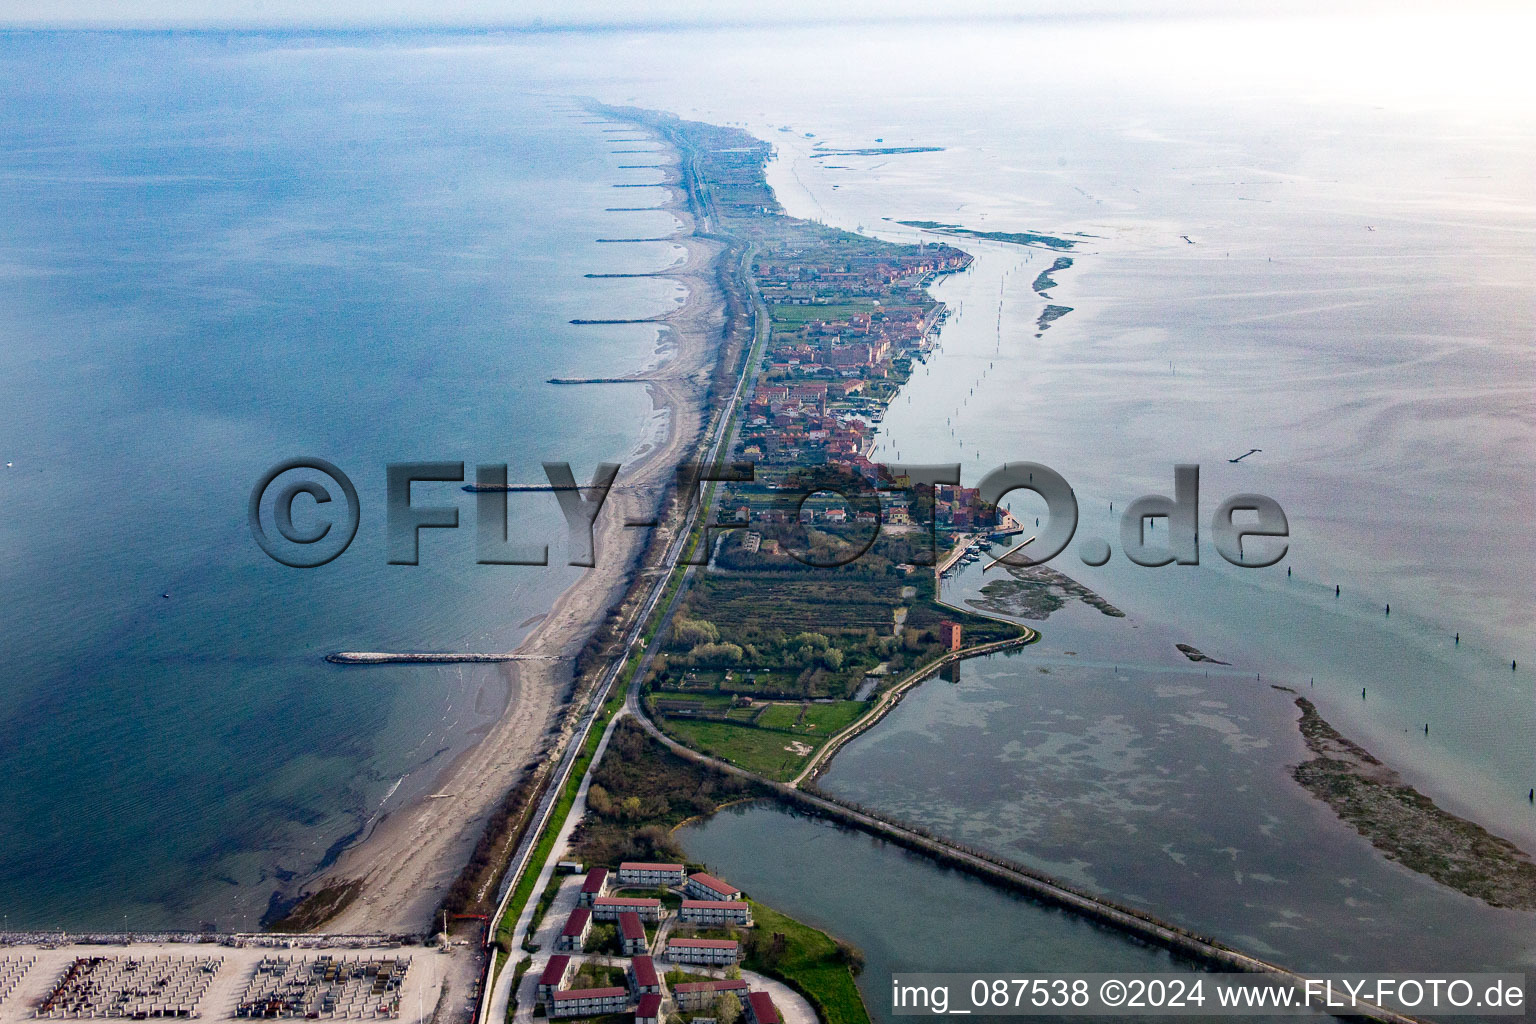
x=305, y=512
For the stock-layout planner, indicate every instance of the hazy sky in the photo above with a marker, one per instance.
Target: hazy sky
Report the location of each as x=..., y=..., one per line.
x=631, y=12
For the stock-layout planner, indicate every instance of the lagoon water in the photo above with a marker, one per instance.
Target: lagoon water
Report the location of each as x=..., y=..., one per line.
x=229, y=250
x=844, y=882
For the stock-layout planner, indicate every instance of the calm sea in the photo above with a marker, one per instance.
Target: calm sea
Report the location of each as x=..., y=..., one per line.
x=218, y=254
x=230, y=250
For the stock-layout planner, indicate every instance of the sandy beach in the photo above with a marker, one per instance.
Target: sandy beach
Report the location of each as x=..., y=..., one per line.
x=412, y=856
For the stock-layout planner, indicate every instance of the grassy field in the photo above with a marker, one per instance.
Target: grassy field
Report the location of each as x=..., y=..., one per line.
x=709, y=701
x=597, y=976
x=809, y=961
x=819, y=721
x=787, y=313
x=759, y=750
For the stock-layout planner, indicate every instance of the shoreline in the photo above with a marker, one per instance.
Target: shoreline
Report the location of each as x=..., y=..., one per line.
x=412, y=854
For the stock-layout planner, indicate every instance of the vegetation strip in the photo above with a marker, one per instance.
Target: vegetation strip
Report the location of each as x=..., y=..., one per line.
x=1407, y=826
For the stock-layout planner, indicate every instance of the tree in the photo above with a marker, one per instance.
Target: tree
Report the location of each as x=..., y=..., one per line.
x=727, y=1008
x=692, y=632
x=716, y=654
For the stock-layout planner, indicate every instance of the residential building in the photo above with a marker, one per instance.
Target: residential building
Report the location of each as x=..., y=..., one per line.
x=703, y=951
x=703, y=886
x=649, y=1010
x=717, y=912
x=574, y=936
x=556, y=973
x=631, y=934
x=595, y=885
x=633, y=872
x=643, y=977
x=608, y=908
x=588, y=1002
x=692, y=996
x=760, y=1009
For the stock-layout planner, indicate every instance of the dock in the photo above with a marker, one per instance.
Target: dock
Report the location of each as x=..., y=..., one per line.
x=643, y=273
x=426, y=658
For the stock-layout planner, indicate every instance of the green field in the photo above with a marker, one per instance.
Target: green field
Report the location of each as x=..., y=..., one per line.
x=711, y=702
x=759, y=750
x=809, y=961
x=820, y=720
x=814, y=719
x=592, y=975
x=783, y=312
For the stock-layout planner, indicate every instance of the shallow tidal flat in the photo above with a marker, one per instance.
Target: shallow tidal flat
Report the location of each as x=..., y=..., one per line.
x=1168, y=786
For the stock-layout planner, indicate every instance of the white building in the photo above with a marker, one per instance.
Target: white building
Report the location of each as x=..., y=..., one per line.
x=645, y=873
x=760, y=1009
x=573, y=937
x=643, y=977
x=588, y=1002
x=692, y=996
x=556, y=973
x=703, y=886
x=649, y=1010
x=632, y=940
x=717, y=912
x=608, y=908
x=593, y=886
x=714, y=952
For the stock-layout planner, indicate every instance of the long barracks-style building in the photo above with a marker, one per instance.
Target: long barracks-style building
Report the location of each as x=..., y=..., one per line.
x=588, y=1002
x=592, y=887
x=735, y=912
x=702, y=886
x=714, y=952
x=646, y=873
x=608, y=908
x=693, y=996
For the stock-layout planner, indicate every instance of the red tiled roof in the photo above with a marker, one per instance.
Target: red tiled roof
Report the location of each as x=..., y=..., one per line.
x=720, y=985
x=589, y=993
x=595, y=879
x=763, y=1009
x=645, y=972
x=711, y=882
x=736, y=905
x=577, y=922
x=704, y=943
x=630, y=926
x=554, y=973
x=642, y=865
x=626, y=901
x=650, y=1005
